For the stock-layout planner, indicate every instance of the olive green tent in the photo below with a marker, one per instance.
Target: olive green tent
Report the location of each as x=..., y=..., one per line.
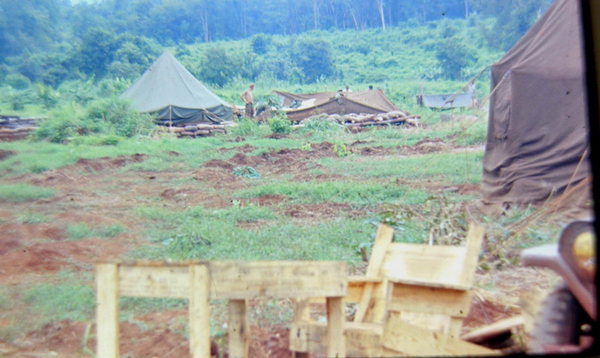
x=537, y=132
x=171, y=92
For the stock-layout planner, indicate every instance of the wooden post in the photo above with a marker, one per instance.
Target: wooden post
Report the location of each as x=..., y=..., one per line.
x=383, y=238
x=239, y=329
x=107, y=310
x=301, y=314
x=199, y=311
x=336, y=342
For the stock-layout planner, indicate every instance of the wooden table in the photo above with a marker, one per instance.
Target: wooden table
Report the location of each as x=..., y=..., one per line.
x=234, y=281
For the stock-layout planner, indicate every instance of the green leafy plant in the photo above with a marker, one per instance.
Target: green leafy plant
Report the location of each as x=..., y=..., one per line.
x=280, y=124
x=340, y=149
x=246, y=127
x=246, y=172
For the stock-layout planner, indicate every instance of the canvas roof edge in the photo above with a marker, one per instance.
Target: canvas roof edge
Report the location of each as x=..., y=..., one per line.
x=348, y=98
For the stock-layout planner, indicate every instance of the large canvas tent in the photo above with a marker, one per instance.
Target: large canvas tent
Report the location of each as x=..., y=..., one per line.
x=537, y=132
x=171, y=92
x=370, y=102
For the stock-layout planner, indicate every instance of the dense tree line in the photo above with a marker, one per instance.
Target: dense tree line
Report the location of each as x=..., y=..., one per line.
x=52, y=41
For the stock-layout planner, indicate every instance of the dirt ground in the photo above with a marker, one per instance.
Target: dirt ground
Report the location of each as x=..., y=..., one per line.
x=96, y=193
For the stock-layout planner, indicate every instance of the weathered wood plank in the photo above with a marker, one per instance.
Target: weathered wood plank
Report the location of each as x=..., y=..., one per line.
x=379, y=304
x=495, y=329
x=154, y=281
x=107, y=310
x=362, y=339
x=239, y=280
x=424, y=263
x=409, y=339
x=383, y=239
x=473, y=247
x=278, y=279
x=239, y=329
x=336, y=342
x=430, y=300
x=199, y=311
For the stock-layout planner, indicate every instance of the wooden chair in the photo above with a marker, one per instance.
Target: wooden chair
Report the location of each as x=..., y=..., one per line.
x=412, y=301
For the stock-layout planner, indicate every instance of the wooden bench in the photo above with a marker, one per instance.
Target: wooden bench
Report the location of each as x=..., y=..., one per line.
x=412, y=301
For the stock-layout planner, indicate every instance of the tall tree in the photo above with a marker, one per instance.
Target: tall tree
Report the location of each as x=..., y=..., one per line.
x=381, y=13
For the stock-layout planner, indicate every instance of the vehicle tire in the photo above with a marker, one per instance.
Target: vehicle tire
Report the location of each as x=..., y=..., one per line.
x=557, y=321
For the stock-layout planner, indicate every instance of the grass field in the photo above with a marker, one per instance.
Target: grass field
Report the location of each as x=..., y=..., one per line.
x=65, y=205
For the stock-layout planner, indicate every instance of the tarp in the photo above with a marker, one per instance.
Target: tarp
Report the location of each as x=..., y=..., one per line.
x=537, y=131
x=173, y=93
x=447, y=101
x=371, y=102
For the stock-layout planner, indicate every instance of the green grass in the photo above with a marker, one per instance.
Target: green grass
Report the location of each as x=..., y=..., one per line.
x=357, y=193
x=447, y=167
x=23, y=192
x=197, y=233
x=83, y=231
x=31, y=217
x=52, y=302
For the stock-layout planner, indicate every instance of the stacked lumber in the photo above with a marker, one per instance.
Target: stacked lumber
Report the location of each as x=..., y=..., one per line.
x=197, y=130
x=15, y=127
x=366, y=120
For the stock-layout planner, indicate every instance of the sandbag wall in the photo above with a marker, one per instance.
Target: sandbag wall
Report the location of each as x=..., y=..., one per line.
x=197, y=130
x=15, y=128
x=353, y=120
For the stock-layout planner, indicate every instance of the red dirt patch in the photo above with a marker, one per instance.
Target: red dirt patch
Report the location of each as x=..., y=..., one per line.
x=104, y=163
x=51, y=257
x=21, y=235
x=65, y=337
x=6, y=153
x=426, y=146
x=486, y=312
x=268, y=200
x=246, y=148
x=321, y=211
x=218, y=163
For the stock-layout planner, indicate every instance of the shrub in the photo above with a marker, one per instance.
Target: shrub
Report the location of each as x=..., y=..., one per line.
x=245, y=127
x=321, y=125
x=119, y=116
x=17, y=81
x=61, y=125
x=280, y=124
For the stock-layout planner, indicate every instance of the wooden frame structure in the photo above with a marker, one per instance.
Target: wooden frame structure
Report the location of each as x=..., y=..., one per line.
x=411, y=302
x=234, y=281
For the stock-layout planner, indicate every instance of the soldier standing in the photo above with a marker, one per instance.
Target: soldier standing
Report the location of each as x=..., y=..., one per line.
x=246, y=97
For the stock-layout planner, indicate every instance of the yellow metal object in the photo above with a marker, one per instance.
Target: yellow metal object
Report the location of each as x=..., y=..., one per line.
x=584, y=250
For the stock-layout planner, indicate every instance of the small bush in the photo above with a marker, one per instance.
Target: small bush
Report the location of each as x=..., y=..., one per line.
x=61, y=125
x=18, y=81
x=23, y=192
x=246, y=127
x=280, y=124
x=116, y=115
x=321, y=125
x=341, y=149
